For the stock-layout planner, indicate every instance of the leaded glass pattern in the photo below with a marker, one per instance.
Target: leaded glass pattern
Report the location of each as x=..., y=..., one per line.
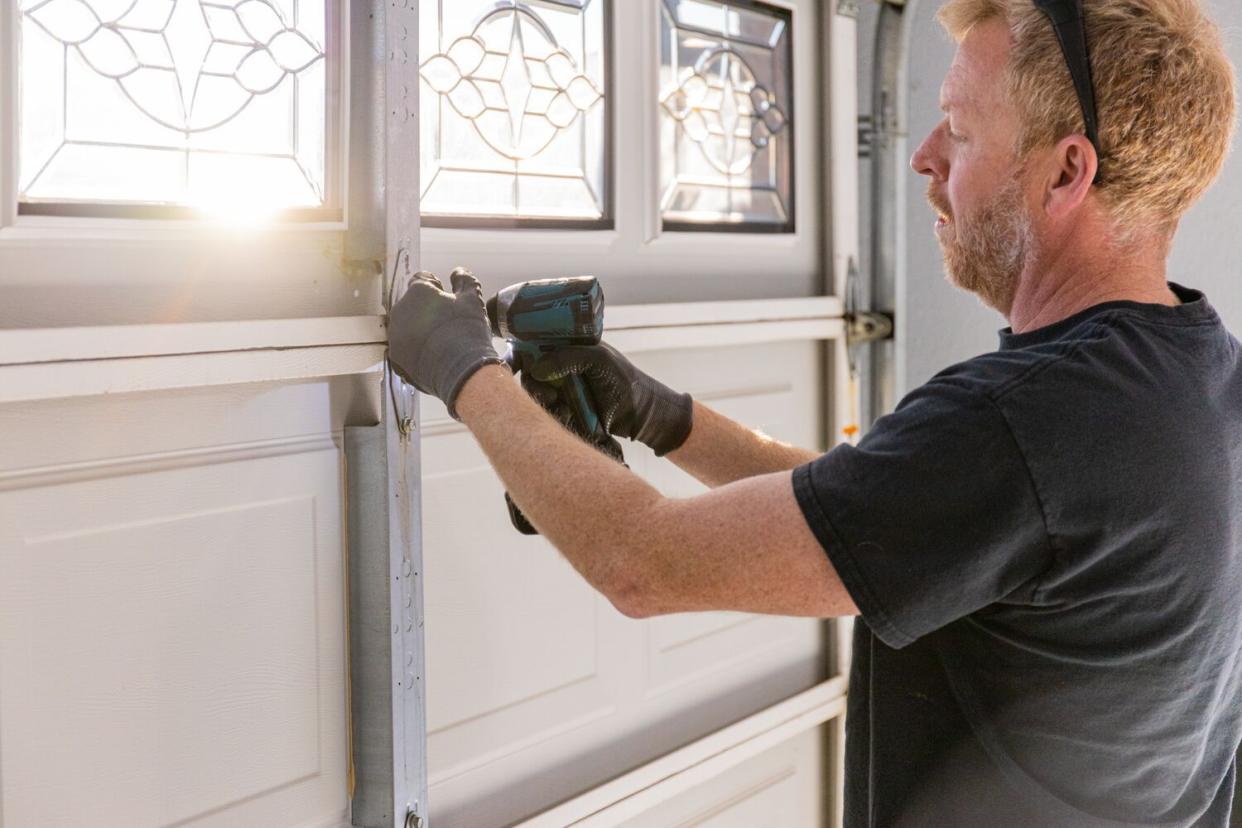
x=215, y=104
x=514, y=111
x=726, y=116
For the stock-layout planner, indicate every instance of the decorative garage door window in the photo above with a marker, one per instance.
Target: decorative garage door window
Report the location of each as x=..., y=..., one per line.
x=726, y=108
x=514, y=112
x=216, y=104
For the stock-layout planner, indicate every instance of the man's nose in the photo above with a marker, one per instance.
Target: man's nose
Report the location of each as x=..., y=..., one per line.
x=927, y=160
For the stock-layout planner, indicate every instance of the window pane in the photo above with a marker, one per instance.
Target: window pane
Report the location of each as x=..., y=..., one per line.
x=514, y=110
x=198, y=103
x=726, y=116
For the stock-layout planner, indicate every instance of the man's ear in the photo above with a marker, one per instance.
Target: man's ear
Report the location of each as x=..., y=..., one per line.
x=1073, y=166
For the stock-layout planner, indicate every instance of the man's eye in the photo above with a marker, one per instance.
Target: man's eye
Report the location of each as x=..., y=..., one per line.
x=956, y=136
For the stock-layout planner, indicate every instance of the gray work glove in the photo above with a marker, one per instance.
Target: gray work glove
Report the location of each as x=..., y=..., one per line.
x=629, y=403
x=548, y=397
x=437, y=340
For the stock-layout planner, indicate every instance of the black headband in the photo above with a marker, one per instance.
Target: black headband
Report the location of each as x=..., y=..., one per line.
x=1067, y=21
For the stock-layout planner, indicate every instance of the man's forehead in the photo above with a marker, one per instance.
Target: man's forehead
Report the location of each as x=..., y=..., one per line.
x=978, y=67
x=955, y=92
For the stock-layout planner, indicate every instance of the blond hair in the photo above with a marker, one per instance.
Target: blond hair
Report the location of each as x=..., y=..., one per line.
x=1164, y=93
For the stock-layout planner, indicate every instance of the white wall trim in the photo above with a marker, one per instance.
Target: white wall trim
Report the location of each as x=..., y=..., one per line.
x=636, y=792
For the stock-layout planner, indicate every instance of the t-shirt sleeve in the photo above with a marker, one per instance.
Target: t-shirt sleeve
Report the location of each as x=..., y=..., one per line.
x=931, y=517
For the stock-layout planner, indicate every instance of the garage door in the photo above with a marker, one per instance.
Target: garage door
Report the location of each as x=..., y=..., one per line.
x=683, y=152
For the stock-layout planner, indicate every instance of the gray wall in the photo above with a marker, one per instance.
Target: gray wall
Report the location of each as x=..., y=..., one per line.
x=941, y=325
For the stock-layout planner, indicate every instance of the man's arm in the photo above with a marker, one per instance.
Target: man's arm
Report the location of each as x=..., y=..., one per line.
x=720, y=450
x=744, y=546
x=632, y=404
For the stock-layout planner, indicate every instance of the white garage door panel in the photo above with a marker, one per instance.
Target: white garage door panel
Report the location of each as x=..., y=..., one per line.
x=172, y=623
x=784, y=787
x=538, y=688
x=684, y=649
x=510, y=628
x=770, y=387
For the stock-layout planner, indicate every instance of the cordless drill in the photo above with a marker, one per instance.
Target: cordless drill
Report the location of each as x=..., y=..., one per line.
x=541, y=316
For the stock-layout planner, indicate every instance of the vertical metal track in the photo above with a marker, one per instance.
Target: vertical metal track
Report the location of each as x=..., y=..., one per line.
x=888, y=154
x=388, y=687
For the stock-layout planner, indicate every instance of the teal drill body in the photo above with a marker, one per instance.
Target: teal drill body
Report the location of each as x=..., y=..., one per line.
x=541, y=316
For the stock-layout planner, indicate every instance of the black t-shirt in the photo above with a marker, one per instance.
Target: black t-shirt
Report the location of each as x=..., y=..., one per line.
x=1045, y=545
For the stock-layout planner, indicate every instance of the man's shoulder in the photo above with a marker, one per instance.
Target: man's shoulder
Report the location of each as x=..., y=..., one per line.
x=991, y=374
x=987, y=380
x=1106, y=343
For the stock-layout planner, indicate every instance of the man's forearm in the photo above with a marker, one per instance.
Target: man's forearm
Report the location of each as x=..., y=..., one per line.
x=744, y=547
x=589, y=506
x=720, y=451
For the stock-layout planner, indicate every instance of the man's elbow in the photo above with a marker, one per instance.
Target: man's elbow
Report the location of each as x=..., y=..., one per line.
x=634, y=593
x=633, y=598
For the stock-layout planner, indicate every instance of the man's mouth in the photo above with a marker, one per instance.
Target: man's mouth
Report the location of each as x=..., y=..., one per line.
x=940, y=205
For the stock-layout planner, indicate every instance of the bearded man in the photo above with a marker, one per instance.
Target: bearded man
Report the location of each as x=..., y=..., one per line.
x=1044, y=543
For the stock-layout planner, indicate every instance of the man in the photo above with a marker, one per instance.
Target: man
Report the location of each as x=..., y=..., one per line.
x=1044, y=543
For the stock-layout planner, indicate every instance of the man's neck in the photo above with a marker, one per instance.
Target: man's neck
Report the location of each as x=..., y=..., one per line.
x=1057, y=286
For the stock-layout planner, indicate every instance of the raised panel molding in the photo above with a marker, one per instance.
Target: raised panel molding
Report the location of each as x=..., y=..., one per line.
x=683, y=649
x=782, y=787
x=57, y=475
x=177, y=428
x=127, y=659
x=172, y=623
x=512, y=632
x=762, y=800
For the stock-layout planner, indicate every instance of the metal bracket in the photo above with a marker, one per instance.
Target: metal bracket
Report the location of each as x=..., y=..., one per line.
x=862, y=326
x=866, y=135
x=402, y=395
x=868, y=326
x=847, y=8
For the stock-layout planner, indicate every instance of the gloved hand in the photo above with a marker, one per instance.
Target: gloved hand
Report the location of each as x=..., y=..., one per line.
x=629, y=403
x=547, y=396
x=437, y=340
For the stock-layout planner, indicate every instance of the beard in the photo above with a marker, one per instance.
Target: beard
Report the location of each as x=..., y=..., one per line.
x=985, y=252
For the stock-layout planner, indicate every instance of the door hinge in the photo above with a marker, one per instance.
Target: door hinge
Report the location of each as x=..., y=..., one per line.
x=847, y=8
x=868, y=326
x=862, y=326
